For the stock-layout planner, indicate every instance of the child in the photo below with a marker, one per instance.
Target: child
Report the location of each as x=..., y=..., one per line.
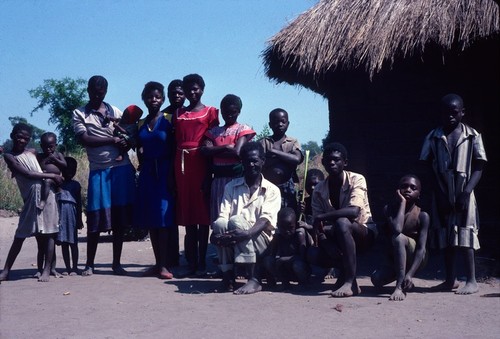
x=51, y=161
x=223, y=144
x=407, y=228
x=70, y=217
x=456, y=154
x=283, y=155
x=314, y=176
x=126, y=126
x=287, y=260
x=24, y=166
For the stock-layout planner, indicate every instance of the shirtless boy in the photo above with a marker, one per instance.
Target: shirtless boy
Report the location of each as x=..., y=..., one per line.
x=51, y=161
x=283, y=155
x=456, y=155
x=406, y=231
x=287, y=259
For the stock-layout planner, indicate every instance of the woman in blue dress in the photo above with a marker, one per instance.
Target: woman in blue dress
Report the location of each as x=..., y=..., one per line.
x=155, y=210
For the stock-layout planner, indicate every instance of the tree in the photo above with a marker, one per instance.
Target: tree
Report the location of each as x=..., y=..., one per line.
x=266, y=131
x=313, y=148
x=61, y=97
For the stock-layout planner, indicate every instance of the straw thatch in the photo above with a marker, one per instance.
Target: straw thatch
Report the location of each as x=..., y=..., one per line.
x=371, y=34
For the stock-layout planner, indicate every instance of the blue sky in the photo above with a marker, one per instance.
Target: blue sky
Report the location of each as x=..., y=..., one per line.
x=133, y=42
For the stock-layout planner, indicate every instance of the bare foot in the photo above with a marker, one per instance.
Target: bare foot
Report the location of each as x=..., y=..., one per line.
x=445, y=286
x=65, y=273
x=118, y=270
x=150, y=272
x=87, y=271
x=44, y=277
x=165, y=274
x=73, y=273
x=56, y=274
x=347, y=290
x=398, y=295
x=252, y=286
x=468, y=288
x=4, y=276
x=329, y=274
x=37, y=275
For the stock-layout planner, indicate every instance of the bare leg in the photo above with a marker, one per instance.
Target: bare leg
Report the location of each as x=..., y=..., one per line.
x=253, y=285
x=399, y=244
x=202, y=237
x=344, y=234
x=92, y=241
x=40, y=243
x=451, y=275
x=191, y=249
x=66, y=259
x=74, y=256
x=117, y=252
x=15, y=248
x=49, y=255
x=470, y=286
x=161, y=237
x=153, y=270
x=53, y=270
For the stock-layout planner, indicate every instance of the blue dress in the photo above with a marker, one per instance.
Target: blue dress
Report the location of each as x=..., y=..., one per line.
x=155, y=203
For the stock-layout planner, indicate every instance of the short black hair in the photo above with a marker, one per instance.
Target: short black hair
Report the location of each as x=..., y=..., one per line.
x=48, y=135
x=411, y=175
x=335, y=147
x=277, y=110
x=71, y=163
x=252, y=146
x=152, y=86
x=174, y=84
x=193, y=79
x=231, y=99
x=97, y=81
x=452, y=97
x=21, y=126
x=287, y=212
x=315, y=172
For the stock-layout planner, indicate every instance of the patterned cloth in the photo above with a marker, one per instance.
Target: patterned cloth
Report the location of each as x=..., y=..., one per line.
x=452, y=172
x=68, y=199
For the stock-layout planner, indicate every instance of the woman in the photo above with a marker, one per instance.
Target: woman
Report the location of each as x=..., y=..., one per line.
x=154, y=206
x=191, y=167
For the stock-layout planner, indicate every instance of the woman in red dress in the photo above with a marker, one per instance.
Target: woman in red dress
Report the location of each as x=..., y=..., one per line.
x=191, y=169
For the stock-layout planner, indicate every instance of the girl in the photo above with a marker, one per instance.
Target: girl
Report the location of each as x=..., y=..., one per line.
x=190, y=124
x=223, y=144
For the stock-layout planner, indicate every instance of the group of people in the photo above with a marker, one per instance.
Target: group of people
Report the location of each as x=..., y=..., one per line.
x=197, y=173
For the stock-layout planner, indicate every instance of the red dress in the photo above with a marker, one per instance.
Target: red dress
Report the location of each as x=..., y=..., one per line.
x=190, y=165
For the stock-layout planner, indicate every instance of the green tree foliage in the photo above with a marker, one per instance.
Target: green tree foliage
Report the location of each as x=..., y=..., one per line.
x=313, y=148
x=61, y=97
x=266, y=131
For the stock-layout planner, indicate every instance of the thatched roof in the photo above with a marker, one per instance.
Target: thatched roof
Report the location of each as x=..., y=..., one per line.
x=371, y=34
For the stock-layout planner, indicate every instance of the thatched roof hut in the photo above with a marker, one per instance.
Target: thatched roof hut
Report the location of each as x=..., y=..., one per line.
x=382, y=65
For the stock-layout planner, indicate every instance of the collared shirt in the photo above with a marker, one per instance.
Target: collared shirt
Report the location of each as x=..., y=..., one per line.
x=352, y=193
x=289, y=145
x=264, y=203
x=86, y=120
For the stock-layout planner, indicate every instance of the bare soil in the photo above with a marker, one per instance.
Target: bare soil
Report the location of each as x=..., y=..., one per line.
x=108, y=306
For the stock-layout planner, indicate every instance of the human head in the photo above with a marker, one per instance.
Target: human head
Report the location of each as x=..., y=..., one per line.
x=410, y=188
x=278, y=121
x=334, y=158
x=131, y=114
x=21, y=136
x=48, y=142
x=97, y=88
x=287, y=221
x=70, y=170
x=230, y=107
x=193, y=86
x=314, y=176
x=175, y=93
x=252, y=157
x=452, y=110
x=153, y=96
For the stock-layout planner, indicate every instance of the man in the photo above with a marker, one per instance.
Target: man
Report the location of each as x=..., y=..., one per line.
x=247, y=220
x=341, y=202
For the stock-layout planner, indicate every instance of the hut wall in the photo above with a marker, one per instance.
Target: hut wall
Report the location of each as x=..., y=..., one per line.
x=383, y=122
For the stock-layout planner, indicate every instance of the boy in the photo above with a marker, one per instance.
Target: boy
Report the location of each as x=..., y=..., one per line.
x=406, y=229
x=283, y=155
x=287, y=260
x=51, y=161
x=33, y=220
x=341, y=202
x=456, y=154
x=314, y=176
x=126, y=127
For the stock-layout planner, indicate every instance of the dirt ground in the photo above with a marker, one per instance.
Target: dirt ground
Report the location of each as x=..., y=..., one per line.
x=108, y=306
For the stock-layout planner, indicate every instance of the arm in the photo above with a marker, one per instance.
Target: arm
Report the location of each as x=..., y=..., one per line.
x=477, y=172
x=94, y=141
x=396, y=222
x=58, y=160
x=294, y=158
x=17, y=169
x=419, y=251
x=79, y=221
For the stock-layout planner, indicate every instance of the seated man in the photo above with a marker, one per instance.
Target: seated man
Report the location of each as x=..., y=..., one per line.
x=247, y=220
x=341, y=213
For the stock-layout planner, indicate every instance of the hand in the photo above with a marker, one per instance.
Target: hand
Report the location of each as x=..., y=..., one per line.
x=408, y=283
x=302, y=206
x=463, y=201
x=238, y=235
x=304, y=225
x=58, y=179
x=318, y=226
x=400, y=196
